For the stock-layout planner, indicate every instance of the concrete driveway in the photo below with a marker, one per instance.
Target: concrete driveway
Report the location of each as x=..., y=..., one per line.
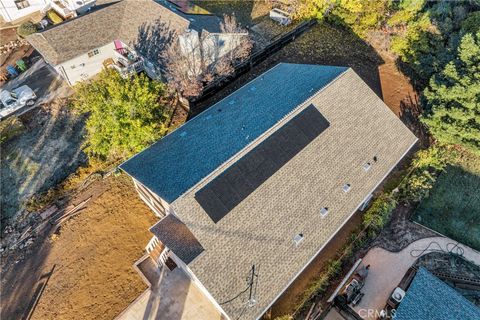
x=44, y=80
x=173, y=297
x=388, y=268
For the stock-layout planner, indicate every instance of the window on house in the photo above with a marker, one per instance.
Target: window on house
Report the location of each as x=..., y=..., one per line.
x=93, y=53
x=22, y=4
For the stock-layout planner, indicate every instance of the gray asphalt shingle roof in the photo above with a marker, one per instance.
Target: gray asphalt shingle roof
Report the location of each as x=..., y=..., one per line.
x=430, y=298
x=259, y=229
x=177, y=237
x=123, y=20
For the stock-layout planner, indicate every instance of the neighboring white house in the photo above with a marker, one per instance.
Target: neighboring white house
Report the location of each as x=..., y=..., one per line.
x=252, y=189
x=128, y=36
x=12, y=10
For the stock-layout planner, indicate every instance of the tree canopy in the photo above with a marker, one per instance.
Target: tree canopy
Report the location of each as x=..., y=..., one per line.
x=360, y=15
x=453, y=98
x=125, y=115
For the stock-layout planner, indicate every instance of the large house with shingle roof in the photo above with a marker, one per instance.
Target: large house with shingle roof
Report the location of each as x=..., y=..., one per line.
x=128, y=36
x=252, y=189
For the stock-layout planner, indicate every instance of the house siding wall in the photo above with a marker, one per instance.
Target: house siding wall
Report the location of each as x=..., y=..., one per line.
x=10, y=12
x=159, y=206
x=84, y=67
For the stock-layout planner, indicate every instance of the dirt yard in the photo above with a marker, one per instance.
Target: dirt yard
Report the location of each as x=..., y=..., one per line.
x=93, y=256
x=46, y=152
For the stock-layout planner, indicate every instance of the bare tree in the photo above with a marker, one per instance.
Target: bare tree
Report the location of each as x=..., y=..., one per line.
x=197, y=59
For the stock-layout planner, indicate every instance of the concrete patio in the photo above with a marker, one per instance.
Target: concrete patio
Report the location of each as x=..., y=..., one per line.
x=173, y=297
x=388, y=268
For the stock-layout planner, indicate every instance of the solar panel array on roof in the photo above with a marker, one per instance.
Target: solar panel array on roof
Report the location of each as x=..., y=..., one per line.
x=226, y=191
x=181, y=159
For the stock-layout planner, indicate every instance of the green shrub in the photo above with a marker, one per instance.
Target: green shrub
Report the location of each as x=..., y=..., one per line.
x=427, y=165
x=378, y=214
x=418, y=186
x=54, y=17
x=26, y=29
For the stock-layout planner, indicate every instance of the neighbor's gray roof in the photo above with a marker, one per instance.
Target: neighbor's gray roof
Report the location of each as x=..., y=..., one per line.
x=430, y=298
x=122, y=20
x=260, y=229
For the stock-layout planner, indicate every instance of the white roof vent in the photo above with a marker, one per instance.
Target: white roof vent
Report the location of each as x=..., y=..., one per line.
x=367, y=166
x=298, y=239
x=346, y=187
x=324, y=212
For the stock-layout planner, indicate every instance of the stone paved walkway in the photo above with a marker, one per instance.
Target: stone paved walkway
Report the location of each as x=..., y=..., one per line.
x=388, y=268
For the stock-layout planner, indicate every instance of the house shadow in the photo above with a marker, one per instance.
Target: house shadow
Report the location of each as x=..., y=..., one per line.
x=172, y=295
x=24, y=280
x=322, y=44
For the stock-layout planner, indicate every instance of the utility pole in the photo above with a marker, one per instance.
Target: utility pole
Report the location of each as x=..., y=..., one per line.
x=252, y=283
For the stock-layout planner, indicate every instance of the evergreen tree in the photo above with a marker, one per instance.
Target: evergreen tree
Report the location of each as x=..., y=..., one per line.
x=453, y=98
x=124, y=115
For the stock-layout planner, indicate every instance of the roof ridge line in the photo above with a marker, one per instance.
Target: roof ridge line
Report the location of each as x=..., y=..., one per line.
x=198, y=115
x=224, y=165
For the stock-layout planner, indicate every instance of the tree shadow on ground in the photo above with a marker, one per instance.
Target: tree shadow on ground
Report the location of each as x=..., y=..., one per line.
x=453, y=205
x=410, y=111
x=323, y=44
x=153, y=40
x=46, y=153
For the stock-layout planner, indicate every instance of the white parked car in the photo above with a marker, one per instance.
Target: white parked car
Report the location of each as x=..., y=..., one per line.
x=16, y=99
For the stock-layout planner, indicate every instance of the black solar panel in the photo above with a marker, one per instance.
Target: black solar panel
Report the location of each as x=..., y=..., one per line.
x=226, y=191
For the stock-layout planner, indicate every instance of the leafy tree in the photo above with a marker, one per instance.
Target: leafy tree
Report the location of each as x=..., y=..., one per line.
x=360, y=15
x=378, y=214
x=436, y=158
x=418, y=186
x=125, y=115
x=26, y=29
x=425, y=34
x=453, y=98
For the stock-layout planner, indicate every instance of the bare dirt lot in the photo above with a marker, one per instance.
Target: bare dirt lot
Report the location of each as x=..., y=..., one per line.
x=46, y=152
x=93, y=256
